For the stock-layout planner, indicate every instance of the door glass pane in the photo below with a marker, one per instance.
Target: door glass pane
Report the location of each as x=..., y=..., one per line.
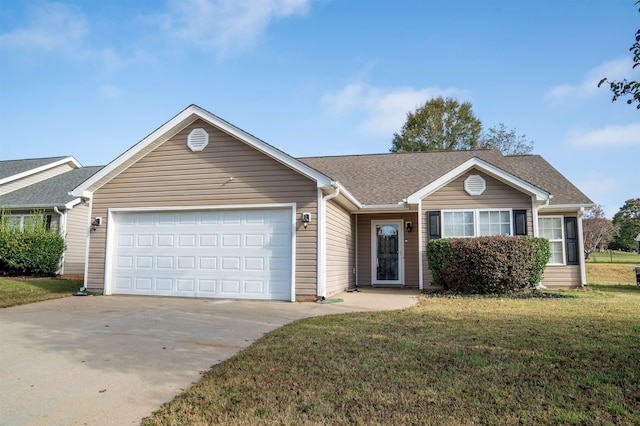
x=387, y=252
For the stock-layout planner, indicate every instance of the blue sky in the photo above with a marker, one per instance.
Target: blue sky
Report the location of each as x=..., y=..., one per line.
x=91, y=78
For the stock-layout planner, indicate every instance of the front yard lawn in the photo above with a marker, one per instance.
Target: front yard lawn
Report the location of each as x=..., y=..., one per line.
x=14, y=291
x=449, y=360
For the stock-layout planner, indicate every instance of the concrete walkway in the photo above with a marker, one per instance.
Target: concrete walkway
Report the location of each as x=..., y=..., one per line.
x=113, y=360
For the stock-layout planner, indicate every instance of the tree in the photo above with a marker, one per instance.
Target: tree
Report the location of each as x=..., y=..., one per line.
x=624, y=87
x=597, y=229
x=439, y=125
x=627, y=220
x=506, y=141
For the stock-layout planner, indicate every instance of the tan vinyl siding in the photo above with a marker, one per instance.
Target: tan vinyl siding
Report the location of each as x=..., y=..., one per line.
x=35, y=178
x=340, y=249
x=76, y=239
x=452, y=196
x=411, y=273
x=556, y=277
x=174, y=176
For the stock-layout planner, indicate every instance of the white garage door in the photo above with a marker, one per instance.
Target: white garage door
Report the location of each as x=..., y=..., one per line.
x=229, y=254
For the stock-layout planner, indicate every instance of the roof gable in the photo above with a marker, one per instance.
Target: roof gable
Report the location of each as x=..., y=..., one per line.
x=176, y=124
x=389, y=179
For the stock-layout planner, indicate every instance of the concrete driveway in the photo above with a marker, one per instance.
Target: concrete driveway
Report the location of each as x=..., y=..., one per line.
x=114, y=360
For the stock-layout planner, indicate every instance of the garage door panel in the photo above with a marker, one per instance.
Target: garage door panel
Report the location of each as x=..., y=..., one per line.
x=236, y=254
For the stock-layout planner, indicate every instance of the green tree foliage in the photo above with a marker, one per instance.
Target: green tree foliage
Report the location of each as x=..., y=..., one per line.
x=439, y=125
x=624, y=87
x=30, y=250
x=627, y=222
x=506, y=141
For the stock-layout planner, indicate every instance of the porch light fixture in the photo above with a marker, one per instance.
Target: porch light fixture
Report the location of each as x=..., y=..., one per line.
x=409, y=226
x=306, y=218
x=95, y=223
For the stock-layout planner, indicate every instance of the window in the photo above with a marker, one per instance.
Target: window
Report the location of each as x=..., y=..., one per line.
x=562, y=233
x=551, y=229
x=475, y=223
x=31, y=221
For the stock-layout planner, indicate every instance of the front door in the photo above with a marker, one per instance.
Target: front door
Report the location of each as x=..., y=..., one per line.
x=386, y=259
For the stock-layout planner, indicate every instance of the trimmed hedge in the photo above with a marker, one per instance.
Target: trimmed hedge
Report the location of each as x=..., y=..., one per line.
x=482, y=265
x=31, y=251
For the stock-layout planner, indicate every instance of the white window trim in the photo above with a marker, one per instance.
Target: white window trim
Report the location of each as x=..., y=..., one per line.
x=476, y=220
x=23, y=217
x=561, y=240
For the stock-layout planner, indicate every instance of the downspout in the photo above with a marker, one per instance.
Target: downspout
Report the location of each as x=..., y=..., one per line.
x=421, y=253
x=62, y=230
x=583, y=271
x=322, y=268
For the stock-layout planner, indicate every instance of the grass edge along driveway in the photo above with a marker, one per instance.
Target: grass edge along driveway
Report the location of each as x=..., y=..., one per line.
x=450, y=360
x=18, y=291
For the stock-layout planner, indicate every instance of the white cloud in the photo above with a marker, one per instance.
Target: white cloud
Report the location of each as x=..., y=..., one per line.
x=606, y=137
x=225, y=24
x=49, y=27
x=383, y=111
x=613, y=70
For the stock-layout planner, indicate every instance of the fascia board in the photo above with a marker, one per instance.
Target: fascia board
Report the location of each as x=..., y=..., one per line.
x=194, y=110
x=30, y=172
x=565, y=207
x=485, y=167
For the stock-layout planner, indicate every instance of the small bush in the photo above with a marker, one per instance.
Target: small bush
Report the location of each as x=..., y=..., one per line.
x=543, y=254
x=486, y=265
x=33, y=250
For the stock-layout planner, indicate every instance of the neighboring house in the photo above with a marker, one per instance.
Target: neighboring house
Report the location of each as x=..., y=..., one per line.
x=200, y=208
x=44, y=185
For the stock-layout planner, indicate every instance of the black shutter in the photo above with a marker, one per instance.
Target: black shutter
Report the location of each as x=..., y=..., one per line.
x=571, y=240
x=433, y=223
x=48, y=226
x=520, y=222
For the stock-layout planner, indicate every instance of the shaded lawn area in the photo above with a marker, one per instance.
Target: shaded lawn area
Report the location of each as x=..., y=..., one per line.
x=611, y=273
x=450, y=360
x=14, y=291
x=613, y=256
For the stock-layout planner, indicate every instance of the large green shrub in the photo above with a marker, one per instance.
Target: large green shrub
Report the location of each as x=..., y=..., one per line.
x=32, y=250
x=483, y=265
x=543, y=254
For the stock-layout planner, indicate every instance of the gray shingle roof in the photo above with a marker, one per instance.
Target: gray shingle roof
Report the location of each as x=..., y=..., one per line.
x=14, y=167
x=51, y=192
x=389, y=178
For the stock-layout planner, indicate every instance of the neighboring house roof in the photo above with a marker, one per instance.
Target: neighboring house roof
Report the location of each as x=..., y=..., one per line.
x=385, y=179
x=13, y=169
x=50, y=192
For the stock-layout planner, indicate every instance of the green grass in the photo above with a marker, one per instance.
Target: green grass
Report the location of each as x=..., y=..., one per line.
x=19, y=292
x=614, y=257
x=611, y=273
x=450, y=360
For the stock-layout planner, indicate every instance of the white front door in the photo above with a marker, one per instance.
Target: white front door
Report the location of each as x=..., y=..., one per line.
x=387, y=254
x=242, y=254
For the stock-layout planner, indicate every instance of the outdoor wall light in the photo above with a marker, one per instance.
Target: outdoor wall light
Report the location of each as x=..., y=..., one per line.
x=409, y=226
x=306, y=218
x=96, y=222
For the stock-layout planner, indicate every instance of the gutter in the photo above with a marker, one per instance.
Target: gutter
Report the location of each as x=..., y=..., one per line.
x=322, y=240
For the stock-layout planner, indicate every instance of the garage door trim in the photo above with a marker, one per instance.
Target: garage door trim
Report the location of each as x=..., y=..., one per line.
x=111, y=229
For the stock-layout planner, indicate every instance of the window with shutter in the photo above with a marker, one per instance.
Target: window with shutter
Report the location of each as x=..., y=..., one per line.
x=433, y=223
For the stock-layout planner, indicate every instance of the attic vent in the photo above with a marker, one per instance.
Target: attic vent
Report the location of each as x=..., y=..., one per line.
x=198, y=139
x=475, y=185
